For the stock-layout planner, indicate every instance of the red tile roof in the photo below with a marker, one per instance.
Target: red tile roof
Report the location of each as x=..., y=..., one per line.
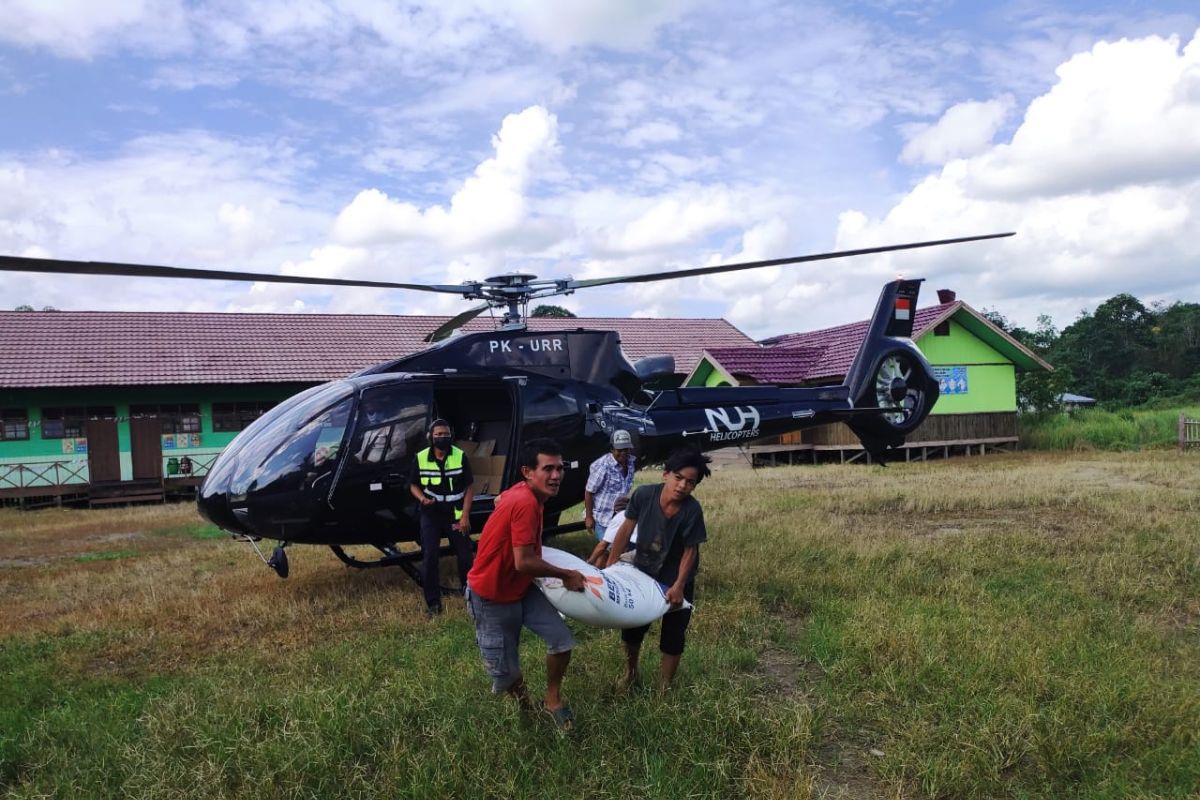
x=840, y=344
x=112, y=348
x=767, y=364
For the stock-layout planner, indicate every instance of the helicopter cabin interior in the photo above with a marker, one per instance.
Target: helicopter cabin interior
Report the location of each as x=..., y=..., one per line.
x=394, y=425
x=481, y=415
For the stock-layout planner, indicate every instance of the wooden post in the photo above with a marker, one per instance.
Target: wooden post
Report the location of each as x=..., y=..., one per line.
x=1182, y=432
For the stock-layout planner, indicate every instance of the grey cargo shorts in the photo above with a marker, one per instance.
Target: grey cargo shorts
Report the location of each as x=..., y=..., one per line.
x=498, y=632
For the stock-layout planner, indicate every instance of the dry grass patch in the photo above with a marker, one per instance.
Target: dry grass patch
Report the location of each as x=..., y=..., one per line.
x=177, y=599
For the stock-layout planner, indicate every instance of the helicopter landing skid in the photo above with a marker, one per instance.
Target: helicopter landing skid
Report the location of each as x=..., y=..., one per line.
x=392, y=558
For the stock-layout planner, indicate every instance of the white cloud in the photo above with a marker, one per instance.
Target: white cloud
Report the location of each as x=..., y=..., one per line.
x=672, y=219
x=387, y=160
x=82, y=29
x=186, y=200
x=490, y=204
x=966, y=129
x=490, y=89
x=655, y=132
x=1101, y=182
x=1124, y=112
x=621, y=24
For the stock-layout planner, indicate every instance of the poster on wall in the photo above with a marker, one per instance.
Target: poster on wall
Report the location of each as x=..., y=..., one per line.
x=168, y=441
x=81, y=446
x=951, y=380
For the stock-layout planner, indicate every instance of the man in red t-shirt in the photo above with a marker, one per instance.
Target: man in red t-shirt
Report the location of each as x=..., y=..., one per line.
x=500, y=593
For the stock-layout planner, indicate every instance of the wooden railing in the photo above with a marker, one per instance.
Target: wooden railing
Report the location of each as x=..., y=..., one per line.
x=1189, y=432
x=43, y=473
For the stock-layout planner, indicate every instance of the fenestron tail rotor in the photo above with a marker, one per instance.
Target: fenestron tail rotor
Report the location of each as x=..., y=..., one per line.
x=511, y=291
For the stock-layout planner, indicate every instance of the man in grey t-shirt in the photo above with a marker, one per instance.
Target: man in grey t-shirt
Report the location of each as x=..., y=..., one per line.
x=670, y=525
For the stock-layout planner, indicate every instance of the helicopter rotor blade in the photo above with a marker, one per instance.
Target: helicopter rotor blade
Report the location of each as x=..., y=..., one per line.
x=454, y=323
x=687, y=273
x=65, y=267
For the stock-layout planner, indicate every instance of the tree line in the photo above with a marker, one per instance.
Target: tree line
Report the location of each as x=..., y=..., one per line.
x=1122, y=354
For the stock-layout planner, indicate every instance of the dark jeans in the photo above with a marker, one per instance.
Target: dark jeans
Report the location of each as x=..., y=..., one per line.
x=436, y=525
x=673, y=636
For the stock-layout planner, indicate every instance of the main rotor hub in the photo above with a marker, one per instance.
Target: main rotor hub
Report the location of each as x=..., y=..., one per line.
x=511, y=279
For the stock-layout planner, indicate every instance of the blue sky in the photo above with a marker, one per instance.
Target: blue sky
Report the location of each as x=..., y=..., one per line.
x=465, y=138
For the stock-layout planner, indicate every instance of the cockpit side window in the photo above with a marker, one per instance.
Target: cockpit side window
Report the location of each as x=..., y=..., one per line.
x=391, y=425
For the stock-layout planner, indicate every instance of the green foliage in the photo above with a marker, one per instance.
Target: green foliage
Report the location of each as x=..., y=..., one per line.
x=1037, y=390
x=1102, y=429
x=552, y=311
x=1124, y=353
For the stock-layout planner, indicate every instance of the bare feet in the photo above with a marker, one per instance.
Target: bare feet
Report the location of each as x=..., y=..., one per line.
x=627, y=681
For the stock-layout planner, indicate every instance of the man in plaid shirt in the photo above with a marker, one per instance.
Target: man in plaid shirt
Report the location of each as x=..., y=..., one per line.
x=610, y=477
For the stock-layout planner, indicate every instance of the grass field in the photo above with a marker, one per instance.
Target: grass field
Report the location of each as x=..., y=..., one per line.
x=1011, y=626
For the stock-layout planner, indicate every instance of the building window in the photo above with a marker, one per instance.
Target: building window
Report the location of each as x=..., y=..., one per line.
x=943, y=329
x=14, y=424
x=64, y=423
x=71, y=422
x=173, y=417
x=238, y=416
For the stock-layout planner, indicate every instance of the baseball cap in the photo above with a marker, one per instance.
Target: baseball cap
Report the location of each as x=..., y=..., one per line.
x=621, y=440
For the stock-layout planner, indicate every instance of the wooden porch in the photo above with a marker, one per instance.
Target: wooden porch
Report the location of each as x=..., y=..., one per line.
x=43, y=483
x=940, y=436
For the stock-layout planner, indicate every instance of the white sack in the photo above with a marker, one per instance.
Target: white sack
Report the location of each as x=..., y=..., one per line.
x=621, y=596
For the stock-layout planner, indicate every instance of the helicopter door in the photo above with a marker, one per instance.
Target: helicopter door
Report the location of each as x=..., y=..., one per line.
x=373, y=487
x=481, y=414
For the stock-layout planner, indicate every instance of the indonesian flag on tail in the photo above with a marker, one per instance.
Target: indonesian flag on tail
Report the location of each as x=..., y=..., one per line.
x=903, y=308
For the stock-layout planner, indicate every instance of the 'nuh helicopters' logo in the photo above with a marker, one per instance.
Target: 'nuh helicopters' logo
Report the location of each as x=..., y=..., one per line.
x=723, y=428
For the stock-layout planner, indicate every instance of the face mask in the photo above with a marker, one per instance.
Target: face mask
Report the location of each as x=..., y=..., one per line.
x=442, y=443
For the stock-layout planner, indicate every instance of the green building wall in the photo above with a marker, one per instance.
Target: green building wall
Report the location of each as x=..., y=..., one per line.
x=991, y=378
x=36, y=451
x=709, y=375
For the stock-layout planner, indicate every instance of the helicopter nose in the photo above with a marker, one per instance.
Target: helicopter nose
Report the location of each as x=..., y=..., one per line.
x=212, y=501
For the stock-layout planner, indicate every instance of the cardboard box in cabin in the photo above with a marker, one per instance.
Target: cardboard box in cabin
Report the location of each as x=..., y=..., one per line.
x=470, y=448
x=488, y=473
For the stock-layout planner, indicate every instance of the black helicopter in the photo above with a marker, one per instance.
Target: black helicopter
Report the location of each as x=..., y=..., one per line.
x=312, y=469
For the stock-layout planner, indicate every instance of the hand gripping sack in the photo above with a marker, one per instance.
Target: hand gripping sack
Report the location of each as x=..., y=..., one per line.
x=621, y=596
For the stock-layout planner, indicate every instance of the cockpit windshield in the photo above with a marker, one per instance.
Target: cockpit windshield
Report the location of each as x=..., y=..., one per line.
x=293, y=437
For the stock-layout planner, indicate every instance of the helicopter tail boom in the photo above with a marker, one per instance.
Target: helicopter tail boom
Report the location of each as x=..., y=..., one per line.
x=888, y=391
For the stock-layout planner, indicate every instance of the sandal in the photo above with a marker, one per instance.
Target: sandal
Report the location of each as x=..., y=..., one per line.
x=563, y=718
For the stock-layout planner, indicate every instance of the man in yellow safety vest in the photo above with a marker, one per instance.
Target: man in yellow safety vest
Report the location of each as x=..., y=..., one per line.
x=441, y=482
